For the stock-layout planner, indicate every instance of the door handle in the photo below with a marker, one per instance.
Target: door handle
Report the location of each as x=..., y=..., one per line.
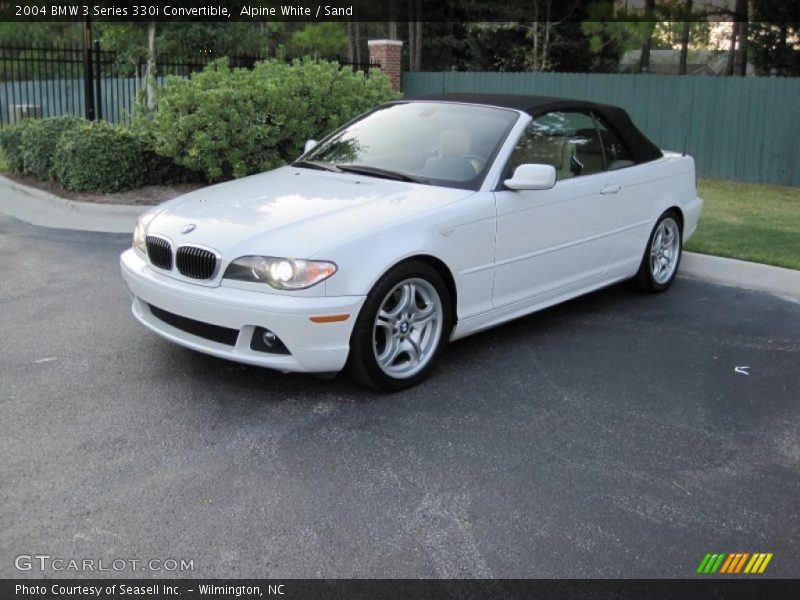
x=611, y=189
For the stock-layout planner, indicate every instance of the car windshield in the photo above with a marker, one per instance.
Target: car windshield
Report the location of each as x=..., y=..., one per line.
x=429, y=142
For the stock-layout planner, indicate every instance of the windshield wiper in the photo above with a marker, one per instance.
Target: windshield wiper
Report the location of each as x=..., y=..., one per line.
x=313, y=164
x=379, y=172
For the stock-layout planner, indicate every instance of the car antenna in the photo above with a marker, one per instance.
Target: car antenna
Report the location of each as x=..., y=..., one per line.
x=689, y=128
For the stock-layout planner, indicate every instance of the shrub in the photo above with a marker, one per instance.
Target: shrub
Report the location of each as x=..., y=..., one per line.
x=39, y=140
x=11, y=142
x=99, y=157
x=227, y=123
x=160, y=170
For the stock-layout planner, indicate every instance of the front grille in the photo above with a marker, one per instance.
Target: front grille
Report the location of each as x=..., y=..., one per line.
x=195, y=262
x=159, y=251
x=215, y=333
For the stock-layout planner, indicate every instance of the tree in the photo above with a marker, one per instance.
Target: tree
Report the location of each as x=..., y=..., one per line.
x=737, y=44
x=610, y=33
x=774, y=40
x=742, y=12
x=193, y=42
x=647, y=37
x=320, y=40
x=392, y=19
x=415, y=40
x=150, y=73
x=685, y=31
x=44, y=33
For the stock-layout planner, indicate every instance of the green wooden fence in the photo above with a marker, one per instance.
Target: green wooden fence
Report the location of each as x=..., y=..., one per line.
x=747, y=129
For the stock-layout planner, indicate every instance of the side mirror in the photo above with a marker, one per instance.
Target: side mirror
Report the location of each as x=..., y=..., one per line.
x=532, y=177
x=310, y=144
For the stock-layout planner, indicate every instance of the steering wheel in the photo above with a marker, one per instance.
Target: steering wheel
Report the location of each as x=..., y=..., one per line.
x=477, y=162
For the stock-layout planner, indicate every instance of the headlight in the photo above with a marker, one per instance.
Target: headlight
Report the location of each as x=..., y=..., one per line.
x=140, y=238
x=280, y=273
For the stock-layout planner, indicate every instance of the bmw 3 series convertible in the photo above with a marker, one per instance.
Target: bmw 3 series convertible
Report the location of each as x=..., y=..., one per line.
x=418, y=223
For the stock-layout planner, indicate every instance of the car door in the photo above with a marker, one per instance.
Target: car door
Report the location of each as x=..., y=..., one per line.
x=630, y=189
x=550, y=242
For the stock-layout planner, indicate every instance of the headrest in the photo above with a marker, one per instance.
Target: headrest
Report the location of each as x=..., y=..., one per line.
x=454, y=142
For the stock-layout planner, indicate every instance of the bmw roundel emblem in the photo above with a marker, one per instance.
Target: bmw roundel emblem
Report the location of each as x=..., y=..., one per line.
x=189, y=228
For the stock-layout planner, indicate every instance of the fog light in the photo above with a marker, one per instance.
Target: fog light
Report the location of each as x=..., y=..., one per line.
x=269, y=338
x=264, y=340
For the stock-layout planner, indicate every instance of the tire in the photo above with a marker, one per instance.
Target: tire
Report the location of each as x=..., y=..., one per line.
x=402, y=328
x=662, y=255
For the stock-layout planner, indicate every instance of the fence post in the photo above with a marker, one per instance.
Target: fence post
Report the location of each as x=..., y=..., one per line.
x=88, y=92
x=97, y=80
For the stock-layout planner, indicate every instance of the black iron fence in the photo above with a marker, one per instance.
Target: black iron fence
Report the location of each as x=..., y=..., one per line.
x=39, y=81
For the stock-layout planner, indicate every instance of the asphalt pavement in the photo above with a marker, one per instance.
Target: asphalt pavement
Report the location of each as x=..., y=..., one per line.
x=611, y=436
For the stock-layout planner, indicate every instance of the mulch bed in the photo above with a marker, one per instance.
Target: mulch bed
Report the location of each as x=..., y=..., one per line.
x=148, y=195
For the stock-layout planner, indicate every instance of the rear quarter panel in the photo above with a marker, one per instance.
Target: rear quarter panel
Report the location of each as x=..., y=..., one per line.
x=648, y=190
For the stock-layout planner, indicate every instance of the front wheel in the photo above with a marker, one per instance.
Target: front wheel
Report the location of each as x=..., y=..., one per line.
x=662, y=257
x=402, y=328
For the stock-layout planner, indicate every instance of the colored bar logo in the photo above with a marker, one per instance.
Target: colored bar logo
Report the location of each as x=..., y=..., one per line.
x=734, y=563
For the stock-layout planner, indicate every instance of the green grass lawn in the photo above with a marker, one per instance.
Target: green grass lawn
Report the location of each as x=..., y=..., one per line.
x=748, y=221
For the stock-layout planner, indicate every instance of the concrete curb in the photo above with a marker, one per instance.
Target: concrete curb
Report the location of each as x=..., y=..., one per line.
x=47, y=210
x=739, y=273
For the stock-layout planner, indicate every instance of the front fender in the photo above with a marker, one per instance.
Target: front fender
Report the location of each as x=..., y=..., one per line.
x=461, y=235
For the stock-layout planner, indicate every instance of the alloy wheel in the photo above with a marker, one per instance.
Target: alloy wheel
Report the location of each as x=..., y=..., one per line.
x=665, y=251
x=408, y=327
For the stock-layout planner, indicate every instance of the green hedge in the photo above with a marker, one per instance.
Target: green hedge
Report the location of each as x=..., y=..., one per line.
x=227, y=123
x=39, y=140
x=11, y=142
x=99, y=157
x=221, y=123
x=86, y=156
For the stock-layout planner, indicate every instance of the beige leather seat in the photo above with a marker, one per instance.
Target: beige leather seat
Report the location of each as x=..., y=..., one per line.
x=450, y=161
x=548, y=150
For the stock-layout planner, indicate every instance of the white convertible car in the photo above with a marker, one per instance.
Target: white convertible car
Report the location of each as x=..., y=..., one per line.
x=418, y=223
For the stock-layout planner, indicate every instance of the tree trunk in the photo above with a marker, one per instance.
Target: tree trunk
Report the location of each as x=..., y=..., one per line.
x=544, y=63
x=647, y=41
x=418, y=37
x=731, y=50
x=412, y=32
x=150, y=71
x=392, y=20
x=351, y=57
x=357, y=28
x=783, y=61
x=415, y=35
x=687, y=28
x=742, y=15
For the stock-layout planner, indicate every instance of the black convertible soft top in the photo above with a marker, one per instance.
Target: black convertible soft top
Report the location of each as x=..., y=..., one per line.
x=642, y=149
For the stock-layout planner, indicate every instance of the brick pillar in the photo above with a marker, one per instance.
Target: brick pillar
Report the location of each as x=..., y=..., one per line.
x=388, y=53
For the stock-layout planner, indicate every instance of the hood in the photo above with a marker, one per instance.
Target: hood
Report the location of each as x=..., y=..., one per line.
x=292, y=211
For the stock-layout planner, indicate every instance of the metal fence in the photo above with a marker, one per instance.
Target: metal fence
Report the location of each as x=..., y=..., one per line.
x=746, y=129
x=48, y=81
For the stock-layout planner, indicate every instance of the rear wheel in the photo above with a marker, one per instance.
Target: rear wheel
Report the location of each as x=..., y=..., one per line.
x=402, y=328
x=662, y=257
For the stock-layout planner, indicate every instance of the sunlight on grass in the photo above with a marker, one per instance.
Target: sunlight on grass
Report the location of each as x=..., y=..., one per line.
x=755, y=222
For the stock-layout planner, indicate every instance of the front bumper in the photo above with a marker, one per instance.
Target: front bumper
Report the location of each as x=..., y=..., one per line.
x=314, y=347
